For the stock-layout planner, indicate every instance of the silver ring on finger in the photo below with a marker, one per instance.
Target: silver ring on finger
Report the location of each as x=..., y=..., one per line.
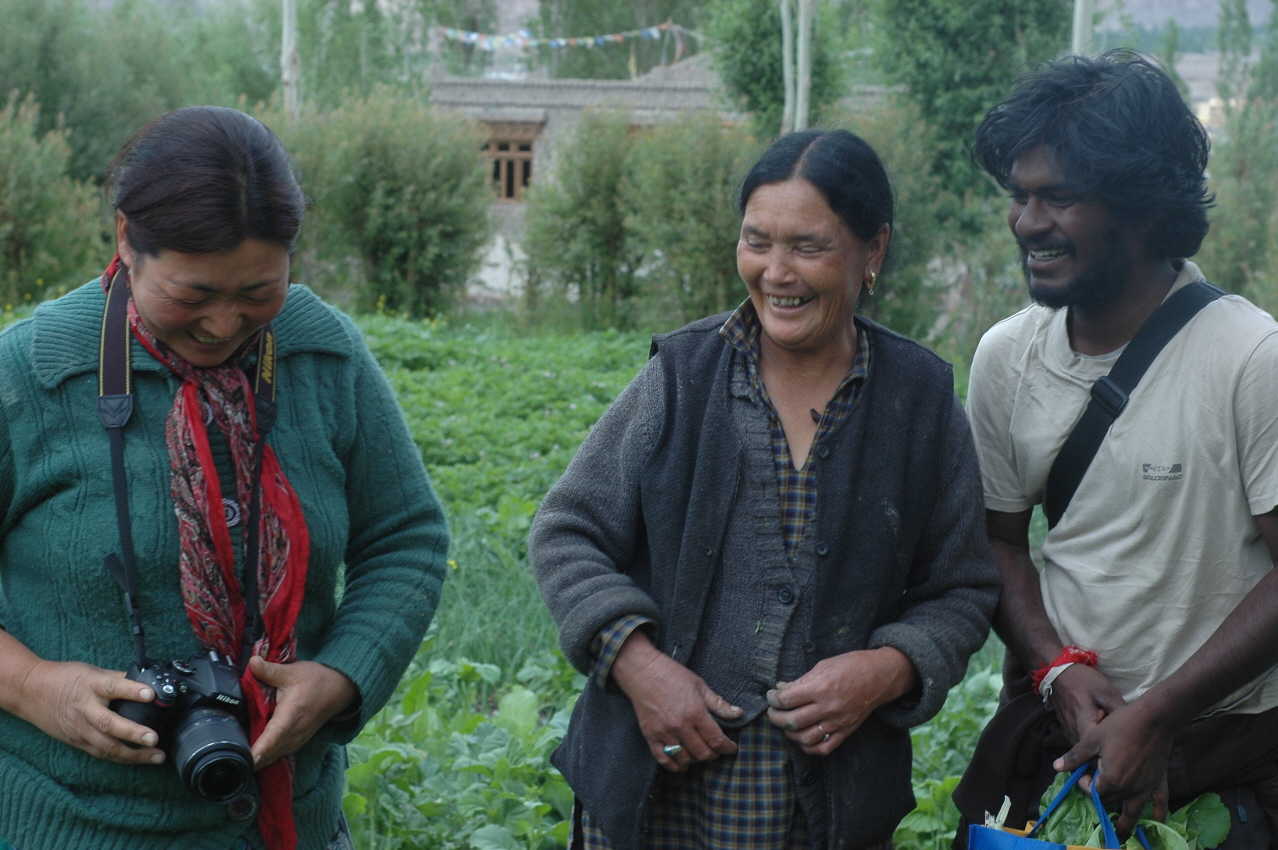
x=825, y=738
x=672, y=750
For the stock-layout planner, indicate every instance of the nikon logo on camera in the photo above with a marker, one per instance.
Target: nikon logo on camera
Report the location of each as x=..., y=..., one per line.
x=226, y=699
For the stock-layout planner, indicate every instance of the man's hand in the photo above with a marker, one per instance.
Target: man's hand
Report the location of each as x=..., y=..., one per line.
x=1083, y=697
x=820, y=709
x=307, y=695
x=68, y=701
x=673, y=705
x=1133, y=762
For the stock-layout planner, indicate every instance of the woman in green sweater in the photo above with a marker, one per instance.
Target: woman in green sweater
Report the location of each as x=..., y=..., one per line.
x=254, y=491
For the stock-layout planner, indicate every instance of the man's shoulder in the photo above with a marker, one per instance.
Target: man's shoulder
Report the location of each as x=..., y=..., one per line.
x=1225, y=335
x=1006, y=342
x=1235, y=313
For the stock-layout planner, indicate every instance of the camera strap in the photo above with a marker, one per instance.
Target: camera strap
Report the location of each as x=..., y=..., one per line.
x=115, y=408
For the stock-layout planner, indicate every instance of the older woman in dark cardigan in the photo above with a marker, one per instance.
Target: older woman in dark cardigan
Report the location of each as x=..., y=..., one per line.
x=769, y=554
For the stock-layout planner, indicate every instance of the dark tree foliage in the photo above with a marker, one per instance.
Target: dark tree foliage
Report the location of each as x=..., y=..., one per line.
x=576, y=18
x=957, y=58
x=746, y=45
x=1264, y=75
x=103, y=71
x=1167, y=53
x=1242, y=246
x=1233, y=40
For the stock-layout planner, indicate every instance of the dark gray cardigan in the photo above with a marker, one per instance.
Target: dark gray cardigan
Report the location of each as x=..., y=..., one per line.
x=636, y=525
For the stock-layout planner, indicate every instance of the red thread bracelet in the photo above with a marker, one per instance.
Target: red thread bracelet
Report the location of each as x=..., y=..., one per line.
x=1069, y=655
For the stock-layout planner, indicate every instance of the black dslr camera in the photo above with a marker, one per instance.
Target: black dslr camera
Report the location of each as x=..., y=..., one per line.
x=200, y=715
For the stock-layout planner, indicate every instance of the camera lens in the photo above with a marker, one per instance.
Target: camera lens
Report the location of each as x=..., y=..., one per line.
x=211, y=754
x=219, y=778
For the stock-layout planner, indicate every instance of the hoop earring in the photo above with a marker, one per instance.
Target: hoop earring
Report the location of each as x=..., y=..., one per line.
x=870, y=278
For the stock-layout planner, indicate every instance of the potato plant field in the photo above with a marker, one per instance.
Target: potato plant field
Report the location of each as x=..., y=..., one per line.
x=460, y=757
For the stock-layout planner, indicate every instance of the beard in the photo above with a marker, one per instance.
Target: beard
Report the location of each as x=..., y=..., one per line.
x=1098, y=283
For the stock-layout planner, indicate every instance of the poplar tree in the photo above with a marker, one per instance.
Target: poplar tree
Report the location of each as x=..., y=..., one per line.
x=957, y=58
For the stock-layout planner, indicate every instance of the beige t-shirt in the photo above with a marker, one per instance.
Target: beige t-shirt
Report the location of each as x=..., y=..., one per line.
x=1158, y=544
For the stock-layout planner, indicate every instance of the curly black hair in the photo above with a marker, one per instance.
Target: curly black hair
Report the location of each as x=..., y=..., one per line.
x=1119, y=130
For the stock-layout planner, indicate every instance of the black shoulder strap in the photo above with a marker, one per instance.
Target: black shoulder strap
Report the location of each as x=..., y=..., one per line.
x=1110, y=393
x=115, y=407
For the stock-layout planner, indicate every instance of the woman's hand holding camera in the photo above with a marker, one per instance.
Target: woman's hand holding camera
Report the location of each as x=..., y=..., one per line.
x=68, y=701
x=308, y=695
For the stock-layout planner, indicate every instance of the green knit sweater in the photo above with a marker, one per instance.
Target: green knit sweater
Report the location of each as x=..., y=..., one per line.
x=378, y=545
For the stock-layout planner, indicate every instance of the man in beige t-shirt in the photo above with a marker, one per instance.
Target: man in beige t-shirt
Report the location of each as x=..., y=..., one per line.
x=1151, y=635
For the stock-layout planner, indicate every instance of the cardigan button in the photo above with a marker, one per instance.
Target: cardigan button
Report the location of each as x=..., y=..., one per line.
x=785, y=594
x=808, y=778
x=823, y=451
x=809, y=646
x=822, y=549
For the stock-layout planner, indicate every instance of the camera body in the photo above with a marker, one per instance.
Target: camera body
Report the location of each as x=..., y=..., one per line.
x=200, y=716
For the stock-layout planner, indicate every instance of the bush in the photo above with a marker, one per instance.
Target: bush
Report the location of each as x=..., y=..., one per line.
x=681, y=191
x=400, y=201
x=52, y=229
x=576, y=237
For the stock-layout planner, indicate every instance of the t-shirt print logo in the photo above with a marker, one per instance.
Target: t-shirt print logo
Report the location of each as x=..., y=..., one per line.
x=1159, y=472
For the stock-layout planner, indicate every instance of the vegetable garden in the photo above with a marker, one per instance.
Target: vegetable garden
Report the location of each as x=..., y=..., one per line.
x=459, y=759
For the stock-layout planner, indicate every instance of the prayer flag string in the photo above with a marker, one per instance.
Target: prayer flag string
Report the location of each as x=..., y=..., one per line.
x=524, y=38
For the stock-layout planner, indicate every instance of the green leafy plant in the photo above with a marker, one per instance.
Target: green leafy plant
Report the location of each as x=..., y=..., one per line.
x=943, y=747
x=460, y=760
x=1202, y=824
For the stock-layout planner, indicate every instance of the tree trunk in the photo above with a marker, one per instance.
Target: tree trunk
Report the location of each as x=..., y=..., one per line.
x=291, y=63
x=787, y=64
x=803, y=83
x=1084, y=15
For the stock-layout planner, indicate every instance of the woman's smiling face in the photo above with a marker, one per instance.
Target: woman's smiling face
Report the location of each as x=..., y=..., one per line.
x=803, y=266
x=205, y=306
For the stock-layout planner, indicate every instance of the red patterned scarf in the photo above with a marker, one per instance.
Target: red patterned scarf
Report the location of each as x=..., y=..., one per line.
x=222, y=396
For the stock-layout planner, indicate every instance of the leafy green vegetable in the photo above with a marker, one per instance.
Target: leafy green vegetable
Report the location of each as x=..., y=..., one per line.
x=1201, y=825
x=1206, y=821
x=1074, y=819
